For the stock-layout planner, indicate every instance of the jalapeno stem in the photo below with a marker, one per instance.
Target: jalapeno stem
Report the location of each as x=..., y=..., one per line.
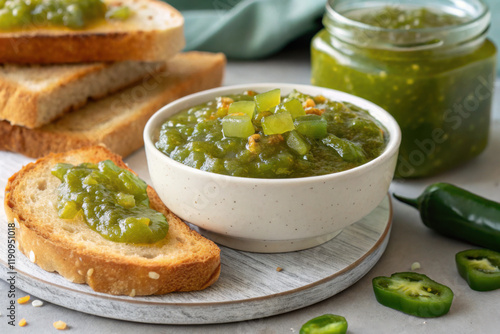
x=411, y=201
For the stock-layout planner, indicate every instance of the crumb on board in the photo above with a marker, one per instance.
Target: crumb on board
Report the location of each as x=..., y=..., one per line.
x=415, y=265
x=23, y=300
x=279, y=269
x=37, y=303
x=60, y=325
x=32, y=256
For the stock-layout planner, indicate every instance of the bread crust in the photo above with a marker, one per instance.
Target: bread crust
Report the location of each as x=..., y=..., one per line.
x=96, y=262
x=118, y=121
x=10, y=91
x=138, y=38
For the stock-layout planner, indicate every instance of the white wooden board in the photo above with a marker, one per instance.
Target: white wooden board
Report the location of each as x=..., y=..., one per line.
x=249, y=286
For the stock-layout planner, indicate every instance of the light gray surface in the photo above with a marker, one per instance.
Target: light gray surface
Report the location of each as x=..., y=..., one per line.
x=471, y=312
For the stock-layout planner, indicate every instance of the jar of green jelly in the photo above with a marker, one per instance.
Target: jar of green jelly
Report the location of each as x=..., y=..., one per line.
x=427, y=62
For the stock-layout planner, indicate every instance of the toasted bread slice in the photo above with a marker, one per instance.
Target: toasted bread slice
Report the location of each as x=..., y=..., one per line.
x=118, y=120
x=183, y=261
x=153, y=32
x=32, y=96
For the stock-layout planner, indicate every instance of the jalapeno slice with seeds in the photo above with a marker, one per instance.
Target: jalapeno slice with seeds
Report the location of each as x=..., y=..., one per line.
x=480, y=268
x=325, y=324
x=414, y=294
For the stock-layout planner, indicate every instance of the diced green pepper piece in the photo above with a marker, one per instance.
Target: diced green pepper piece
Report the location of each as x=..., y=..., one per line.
x=268, y=100
x=480, y=268
x=60, y=170
x=325, y=324
x=68, y=210
x=119, y=13
x=245, y=107
x=135, y=186
x=294, y=107
x=277, y=123
x=142, y=220
x=297, y=143
x=109, y=167
x=346, y=149
x=90, y=180
x=125, y=200
x=237, y=126
x=413, y=293
x=312, y=126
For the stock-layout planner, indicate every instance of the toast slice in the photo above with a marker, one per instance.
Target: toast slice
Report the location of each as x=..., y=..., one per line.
x=32, y=96
x=183, y=261
x=118, y=120
x=153, y=32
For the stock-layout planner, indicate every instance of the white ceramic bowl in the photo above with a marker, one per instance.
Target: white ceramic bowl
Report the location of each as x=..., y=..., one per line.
x=270, y=215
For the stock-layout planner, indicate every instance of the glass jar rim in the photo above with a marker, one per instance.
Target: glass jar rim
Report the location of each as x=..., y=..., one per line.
x=340, y=25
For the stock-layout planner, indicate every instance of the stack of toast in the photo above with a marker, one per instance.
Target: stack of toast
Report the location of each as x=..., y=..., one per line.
x=76, y=96
x=63, y=89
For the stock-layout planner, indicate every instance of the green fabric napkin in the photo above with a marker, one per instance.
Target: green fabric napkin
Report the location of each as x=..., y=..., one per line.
x=247, y=29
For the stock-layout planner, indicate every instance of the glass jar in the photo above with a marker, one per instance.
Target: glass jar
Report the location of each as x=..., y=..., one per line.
x=437, y=82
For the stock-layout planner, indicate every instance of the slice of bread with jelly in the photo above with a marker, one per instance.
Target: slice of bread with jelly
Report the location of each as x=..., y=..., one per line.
x=154, y=31
x=182, y=261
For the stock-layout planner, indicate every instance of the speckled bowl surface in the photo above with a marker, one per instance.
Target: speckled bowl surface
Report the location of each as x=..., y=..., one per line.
x=270, y=215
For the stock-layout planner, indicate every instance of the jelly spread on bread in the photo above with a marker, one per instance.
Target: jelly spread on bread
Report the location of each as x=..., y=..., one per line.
x=111, y=200
x=72, y=14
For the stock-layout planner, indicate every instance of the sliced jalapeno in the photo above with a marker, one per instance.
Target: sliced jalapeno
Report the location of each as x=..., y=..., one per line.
x=414, y=294
x=325, y=324
x=480, y=268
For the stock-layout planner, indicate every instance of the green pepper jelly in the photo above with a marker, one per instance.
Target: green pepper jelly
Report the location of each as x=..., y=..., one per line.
x=72, y=14
x=269, y=136
x=430, y=66
x=112, y=201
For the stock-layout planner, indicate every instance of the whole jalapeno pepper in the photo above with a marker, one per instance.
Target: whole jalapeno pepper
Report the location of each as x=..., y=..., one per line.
x=480, y=268
x=325, y=324
x=458, y=213
x=414, y=294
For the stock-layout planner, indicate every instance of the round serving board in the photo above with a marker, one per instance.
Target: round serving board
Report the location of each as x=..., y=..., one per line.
x=249, y=287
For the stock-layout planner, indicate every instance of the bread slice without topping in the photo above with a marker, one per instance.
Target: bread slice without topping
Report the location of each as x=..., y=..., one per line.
x=183, y=261
x=118, y=120
x=153, y=32
x=32, y=96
